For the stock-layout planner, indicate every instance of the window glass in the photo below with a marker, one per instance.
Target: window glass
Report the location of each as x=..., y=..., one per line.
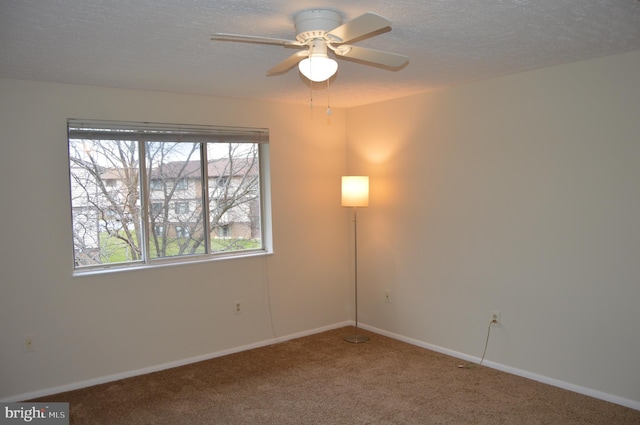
x=105, y=188
x=177, y=169
x=234, y=204
x=143, y=192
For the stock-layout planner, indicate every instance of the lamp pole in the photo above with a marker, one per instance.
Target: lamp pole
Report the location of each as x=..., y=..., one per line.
x=355, y=193
x=356, y=339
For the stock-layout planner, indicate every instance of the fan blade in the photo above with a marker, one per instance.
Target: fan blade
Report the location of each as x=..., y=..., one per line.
x=359, y=27
x=254, y=39
x=379, y=57
x=288, y=63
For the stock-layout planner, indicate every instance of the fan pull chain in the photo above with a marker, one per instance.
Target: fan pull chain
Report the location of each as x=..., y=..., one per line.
x=311, y=82
x=328, y=99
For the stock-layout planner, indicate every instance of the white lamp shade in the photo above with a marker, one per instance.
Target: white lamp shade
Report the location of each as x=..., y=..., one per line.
x=355, y=191
x=318, y=68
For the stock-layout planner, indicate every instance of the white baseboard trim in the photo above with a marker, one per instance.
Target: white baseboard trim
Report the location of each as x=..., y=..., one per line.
x=632, y=404
x=163, y=366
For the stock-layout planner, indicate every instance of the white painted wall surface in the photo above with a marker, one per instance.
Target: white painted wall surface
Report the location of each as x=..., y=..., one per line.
x=89, y=327
x=519, y=194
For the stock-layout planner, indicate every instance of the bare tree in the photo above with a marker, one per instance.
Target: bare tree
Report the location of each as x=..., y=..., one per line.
x=174, y=176
x=105, y=188
x=108, y=206
x=236, y=196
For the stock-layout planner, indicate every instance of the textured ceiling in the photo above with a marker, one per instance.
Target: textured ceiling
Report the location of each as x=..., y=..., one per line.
x=164, y=44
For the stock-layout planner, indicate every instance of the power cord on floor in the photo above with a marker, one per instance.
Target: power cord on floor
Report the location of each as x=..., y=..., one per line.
x=486, y=344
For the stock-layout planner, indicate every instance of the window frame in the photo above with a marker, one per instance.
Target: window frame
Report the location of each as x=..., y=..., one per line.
x=260, y=138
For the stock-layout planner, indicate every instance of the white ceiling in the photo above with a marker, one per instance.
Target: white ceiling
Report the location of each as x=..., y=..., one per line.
x=164, y=44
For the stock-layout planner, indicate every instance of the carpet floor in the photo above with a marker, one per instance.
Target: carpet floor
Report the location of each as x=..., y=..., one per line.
x=320, y=379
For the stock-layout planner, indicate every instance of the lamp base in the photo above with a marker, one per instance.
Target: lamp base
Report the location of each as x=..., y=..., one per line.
x=356, y=339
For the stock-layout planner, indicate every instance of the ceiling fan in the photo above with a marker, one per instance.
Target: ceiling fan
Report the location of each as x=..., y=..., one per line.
x=319, y=31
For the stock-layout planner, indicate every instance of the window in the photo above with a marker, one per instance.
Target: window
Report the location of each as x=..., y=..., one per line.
x=182, y=232
x=155, y=184
x=156, y=208
x=224, y=231
x=182, y=207
x=182, y=184
x=126, y=177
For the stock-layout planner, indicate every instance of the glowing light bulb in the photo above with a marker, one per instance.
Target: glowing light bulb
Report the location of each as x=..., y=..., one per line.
x=318, y=67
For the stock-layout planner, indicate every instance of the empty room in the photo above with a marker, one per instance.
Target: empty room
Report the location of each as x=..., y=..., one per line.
x=180, y=245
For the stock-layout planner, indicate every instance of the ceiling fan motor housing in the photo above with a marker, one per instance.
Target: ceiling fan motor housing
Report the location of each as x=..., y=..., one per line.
x=311, y=24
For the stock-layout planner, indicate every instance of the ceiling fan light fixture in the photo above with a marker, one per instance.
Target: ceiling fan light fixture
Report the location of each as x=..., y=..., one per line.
x=318, y=68
x=319, y=30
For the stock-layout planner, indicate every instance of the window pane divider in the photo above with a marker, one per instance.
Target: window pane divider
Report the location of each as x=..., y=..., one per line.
x=145, y=203
x=204, y=171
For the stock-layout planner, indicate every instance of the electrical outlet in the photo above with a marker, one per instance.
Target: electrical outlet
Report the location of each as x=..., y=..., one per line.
x=495, y=317
x=387, y=296
x=28, y=344
x=237, y=307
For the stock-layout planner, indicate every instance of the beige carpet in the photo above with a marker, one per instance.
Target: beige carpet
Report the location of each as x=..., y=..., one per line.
x=320, y=379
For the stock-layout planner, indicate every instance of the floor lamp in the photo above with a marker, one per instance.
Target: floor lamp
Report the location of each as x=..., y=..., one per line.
x=355, y=193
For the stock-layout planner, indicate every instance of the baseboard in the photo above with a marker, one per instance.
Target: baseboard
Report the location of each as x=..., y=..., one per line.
x=632, y=404
x=169, y=365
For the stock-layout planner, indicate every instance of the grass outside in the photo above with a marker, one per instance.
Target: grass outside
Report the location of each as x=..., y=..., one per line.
x=117, y=250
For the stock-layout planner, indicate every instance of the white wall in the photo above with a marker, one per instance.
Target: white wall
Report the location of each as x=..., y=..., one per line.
x=95, y=326
x=519, y=194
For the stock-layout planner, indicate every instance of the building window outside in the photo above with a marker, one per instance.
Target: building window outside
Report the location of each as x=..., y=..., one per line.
x=182, y=184
x=182, y=232
x=126, y=176
x=155, y=185
x=224, y=231
x=182, y=207
x=156, y=208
